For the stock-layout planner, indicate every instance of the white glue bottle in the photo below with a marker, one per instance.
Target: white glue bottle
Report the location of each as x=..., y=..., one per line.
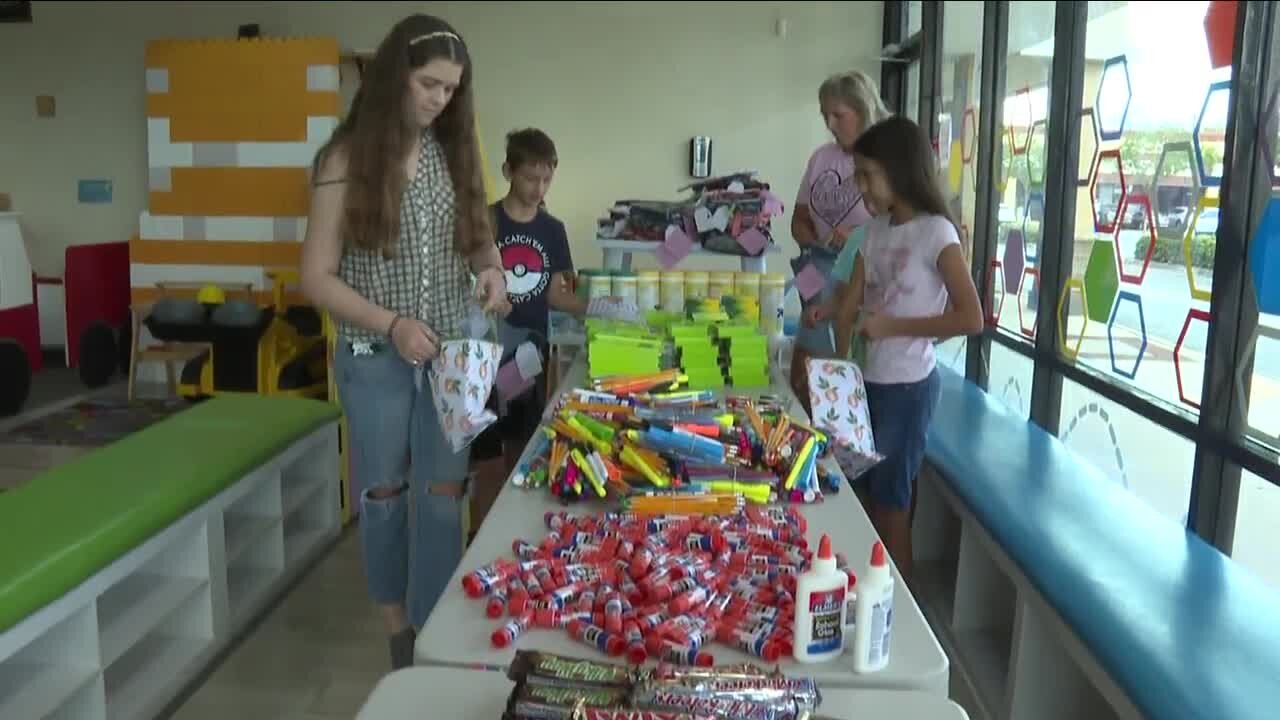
x=850, y=612
x=820, y=608
x=874, y=621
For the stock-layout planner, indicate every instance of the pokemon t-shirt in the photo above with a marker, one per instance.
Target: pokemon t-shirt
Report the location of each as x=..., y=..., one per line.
x=533, y=253
x=830, y=192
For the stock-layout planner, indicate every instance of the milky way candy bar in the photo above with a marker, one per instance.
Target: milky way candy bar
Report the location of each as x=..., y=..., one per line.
x=774, y=690
x=548, y=667
x=536, y=701
x=680, y=698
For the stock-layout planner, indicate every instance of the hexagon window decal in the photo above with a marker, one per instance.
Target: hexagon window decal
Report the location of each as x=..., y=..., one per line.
x=993, y=307
x=1020, y=120
x=1209, y=139
x=1089, y=145
x=1172, y=201
x=1130, y=373
x=1033, y=226
x=1006, y=161
x=1031, y=290
x=1203, y=222
x=1101, y=281
x=1145, y=246
x=1192, y=314
x=1036, y=155
x=1014, y=259
x=1112, y=101
x=968, y=135
x=1073, y=351
x=1107, y=192
x=1264, y=259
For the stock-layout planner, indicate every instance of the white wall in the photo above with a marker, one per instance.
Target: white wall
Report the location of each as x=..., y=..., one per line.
x=621, y=87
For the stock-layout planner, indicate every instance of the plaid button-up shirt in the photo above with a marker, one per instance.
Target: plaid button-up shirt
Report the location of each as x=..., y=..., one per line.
x=426, y=278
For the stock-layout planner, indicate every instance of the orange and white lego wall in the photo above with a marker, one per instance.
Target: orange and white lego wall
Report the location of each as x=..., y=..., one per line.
x=232, y=129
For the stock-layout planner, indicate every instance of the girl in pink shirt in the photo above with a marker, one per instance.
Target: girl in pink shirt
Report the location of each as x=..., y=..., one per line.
x=911, y=284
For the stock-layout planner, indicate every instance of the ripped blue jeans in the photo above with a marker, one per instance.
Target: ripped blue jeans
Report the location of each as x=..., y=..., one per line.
x=412, y=539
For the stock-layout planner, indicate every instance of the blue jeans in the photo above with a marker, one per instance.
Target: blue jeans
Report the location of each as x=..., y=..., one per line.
x=900, y=417
x=396, y=444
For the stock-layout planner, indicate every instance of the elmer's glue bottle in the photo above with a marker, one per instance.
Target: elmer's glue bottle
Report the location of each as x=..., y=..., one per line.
x=874, y=621
x=820, y=608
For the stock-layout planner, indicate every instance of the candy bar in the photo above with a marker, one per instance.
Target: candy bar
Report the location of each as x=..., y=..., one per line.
x=550, y=668
x=666, y=696
x=537, y=701
x=775, y=690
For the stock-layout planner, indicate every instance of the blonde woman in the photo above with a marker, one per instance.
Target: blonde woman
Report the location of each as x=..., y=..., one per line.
x=829, y=206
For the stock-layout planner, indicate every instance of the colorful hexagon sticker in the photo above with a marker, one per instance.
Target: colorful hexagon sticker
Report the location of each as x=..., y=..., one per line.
x=1142, y=328
x=1146, y=244
x=968, y=134
x=1006, y=161
x=993, y=307
x=1073, y=351
x=1088, y=147
x=1220, y=32
x=1105, y=213
x=1194, y=228
x=1101, y=281
x=1014, y=259
x=1036, y=149
x=1033, y=226
x=1177, y=159
x=1028, y=297
x=1192, y=314
x=1264, y=259
x=1020, y=121
x=1114, y=94
x=1214, y=110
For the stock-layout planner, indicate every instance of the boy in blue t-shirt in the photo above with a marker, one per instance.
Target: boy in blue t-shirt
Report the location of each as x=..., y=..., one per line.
x=535, y=255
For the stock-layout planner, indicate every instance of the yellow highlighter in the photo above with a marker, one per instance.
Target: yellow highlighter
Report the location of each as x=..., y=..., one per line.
x=588, y=470
x=799, y=462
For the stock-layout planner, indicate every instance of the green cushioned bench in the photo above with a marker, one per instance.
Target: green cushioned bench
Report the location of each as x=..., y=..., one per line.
x=76, y=519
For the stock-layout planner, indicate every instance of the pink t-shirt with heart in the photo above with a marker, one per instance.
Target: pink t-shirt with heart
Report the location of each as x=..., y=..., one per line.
x=829, y=190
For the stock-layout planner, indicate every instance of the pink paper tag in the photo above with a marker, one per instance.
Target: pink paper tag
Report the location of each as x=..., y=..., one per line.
x=510, y=383
x=753, y=241
x=676, y=248
x=772, y=204
x=809, y=282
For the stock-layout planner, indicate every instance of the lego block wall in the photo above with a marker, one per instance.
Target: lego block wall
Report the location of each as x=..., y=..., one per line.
x=232, y=129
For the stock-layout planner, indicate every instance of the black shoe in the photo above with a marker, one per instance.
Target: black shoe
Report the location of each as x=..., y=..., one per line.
x=402, y=648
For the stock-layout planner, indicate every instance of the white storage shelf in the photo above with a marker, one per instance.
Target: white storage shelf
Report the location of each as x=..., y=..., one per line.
x=124, y=644
x=1013, y=656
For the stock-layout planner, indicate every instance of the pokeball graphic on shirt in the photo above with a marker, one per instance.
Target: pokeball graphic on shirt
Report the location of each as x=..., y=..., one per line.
x=526, y=269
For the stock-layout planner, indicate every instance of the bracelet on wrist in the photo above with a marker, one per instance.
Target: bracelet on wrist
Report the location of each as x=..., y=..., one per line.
x=392, y=327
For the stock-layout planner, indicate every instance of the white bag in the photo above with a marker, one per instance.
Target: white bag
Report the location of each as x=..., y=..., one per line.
x=461, y=378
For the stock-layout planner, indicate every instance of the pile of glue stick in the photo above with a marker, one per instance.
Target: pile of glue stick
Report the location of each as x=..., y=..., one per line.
x=662, y=450
x=654, y=587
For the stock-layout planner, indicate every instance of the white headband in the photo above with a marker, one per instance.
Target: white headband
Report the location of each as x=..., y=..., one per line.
x=438, y=33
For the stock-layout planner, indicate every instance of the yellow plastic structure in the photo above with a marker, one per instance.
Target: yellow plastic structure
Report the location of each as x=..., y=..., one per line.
x=280, y=345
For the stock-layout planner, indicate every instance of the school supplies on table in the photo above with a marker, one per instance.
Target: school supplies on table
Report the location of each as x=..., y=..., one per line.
x=648, y=442
x=667, y=587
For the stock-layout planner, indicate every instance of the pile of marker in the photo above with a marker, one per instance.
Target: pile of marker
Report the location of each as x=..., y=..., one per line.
x=658, y=587
x=634, y=438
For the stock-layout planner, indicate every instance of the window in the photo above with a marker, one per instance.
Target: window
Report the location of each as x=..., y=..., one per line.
x=1021, y=155
x=1152, y=462
x=1257, y=534
x=1153, y=124
x=1009, y=377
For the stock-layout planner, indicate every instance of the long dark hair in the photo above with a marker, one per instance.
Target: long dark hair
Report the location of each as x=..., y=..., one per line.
x=903, y=150
x=375, y=139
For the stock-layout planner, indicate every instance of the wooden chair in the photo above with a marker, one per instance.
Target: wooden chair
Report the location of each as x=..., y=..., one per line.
x=170, y=353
